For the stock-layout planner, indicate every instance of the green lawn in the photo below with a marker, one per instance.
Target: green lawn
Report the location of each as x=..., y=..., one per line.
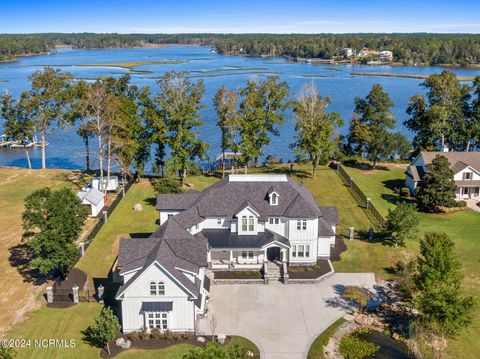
x=463, y=227
x=378, y=184
x=316, y=350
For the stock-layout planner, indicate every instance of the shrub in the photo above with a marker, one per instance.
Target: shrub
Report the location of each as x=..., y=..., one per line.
x=461, y=204
x=167, y=335
x=186, y=336
x=156, y=333
x=143, y=335
x=405, y=192
x=352, y=347
x=133, y=336
x=167, y=185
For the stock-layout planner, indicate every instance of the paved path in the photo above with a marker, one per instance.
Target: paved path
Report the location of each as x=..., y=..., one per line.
x=282, y=320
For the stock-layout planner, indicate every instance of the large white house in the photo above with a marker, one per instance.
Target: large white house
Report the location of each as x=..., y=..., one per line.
x=465, y=166
x=241, y=222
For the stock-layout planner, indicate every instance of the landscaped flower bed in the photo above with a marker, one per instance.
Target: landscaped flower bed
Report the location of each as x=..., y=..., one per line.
x=238, y=275
x=309, y=272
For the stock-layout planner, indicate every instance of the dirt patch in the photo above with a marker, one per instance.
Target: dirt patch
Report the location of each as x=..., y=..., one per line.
x=76, y=277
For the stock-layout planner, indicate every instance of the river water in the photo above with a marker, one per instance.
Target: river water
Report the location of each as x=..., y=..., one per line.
x=66, y=148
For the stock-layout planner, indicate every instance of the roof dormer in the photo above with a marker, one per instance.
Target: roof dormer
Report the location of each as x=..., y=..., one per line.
x=273, y=196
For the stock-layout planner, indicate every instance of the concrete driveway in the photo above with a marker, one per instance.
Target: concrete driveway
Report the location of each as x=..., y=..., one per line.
x=282, y=320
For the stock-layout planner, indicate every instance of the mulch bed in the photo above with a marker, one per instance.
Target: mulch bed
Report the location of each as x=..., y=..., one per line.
x=238, y=275
x=309, y=272
x=339, y=248
x=151, y=344
x=76, y=277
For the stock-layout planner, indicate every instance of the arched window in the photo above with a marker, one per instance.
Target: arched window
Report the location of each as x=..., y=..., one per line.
x=274, y=199
x=244, y=224
x=153, y=288
x=250, y=224
x=157, y=288
x=161, y=288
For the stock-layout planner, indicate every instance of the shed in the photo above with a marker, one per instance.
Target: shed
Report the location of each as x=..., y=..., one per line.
x=109, y=183
x=93, y=198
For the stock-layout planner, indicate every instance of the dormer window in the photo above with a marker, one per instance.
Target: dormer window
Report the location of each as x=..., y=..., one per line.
x=274, y=199
x=467, y=175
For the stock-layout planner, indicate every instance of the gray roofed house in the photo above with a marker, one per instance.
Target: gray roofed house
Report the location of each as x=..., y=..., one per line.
x=94, y=198
x=465, y=166
x=240, y=222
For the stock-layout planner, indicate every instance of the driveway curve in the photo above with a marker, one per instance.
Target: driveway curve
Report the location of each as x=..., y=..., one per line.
x=283, y=320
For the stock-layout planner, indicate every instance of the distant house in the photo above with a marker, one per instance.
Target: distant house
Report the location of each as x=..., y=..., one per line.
x=243, y=222
x=465, y=166
x=386, y=55
x=93, y=198
x=110, y=184
x=347, y=52
x=366, y=52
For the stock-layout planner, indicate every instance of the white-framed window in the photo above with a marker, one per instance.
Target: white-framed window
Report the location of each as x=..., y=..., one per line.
x=251, y=226
x=301, y=251
x=244, y=224
x=219, y=221
x=274, y=220
x=157, y=320
x=157, y=288
x=301, y=225
x=247, y=254
x=467, y=175
x=274, y=199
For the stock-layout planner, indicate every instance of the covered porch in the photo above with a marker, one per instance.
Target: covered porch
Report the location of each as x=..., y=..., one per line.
x=230, y=251
x=471, y=191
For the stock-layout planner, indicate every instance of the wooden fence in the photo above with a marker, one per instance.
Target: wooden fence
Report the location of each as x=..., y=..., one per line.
x=361, y=198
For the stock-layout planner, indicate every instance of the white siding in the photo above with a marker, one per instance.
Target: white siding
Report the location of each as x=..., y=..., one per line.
x=324, y=246
x=164, y=214
x=459, y=176
x=310, y=233
x=280, y=228
x=247, y=212
x=181, y=318
x=312, y=254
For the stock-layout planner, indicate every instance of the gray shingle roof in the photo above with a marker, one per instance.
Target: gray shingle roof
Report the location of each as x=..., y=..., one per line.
x=176, y=201
x=471, y=159
x=416, y=172
x=223, y=238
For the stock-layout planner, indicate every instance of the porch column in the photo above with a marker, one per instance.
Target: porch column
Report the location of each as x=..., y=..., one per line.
x=231, y=256
x=209, y=258
x=265, y=258
x=284, y=255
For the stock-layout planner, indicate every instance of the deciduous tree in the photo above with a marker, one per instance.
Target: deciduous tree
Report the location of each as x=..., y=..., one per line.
x=373, y=118
x=315, y=128
x=104, y=330
x=402, y=223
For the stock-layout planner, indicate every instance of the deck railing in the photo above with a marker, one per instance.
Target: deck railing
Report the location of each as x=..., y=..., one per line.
x=360, y=197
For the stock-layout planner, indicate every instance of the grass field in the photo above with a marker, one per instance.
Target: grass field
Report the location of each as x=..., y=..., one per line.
x=19, y=295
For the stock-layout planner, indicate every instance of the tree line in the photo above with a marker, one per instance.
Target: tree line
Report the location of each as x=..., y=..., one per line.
x=432, y=49
x=125, y=123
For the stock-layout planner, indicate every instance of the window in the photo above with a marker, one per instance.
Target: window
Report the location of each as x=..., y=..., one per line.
x=157, y=288
x=157, y=320
x=219, y=221
x=467, y=175
x=301, y=251
x=273, y=199
x=273, y=220
x=244, y=223
x=247, y=254
x=169, y=215
x=250, y=224
x=301, y=225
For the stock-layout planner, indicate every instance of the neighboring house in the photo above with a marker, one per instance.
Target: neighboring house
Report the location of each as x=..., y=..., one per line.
x=110, y=184
x=241, y=222
x=386, y=55
x=93, y=198
x=465, y=166
x=347, y=52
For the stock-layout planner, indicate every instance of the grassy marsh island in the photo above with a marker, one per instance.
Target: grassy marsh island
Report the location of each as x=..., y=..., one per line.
x=411, y=76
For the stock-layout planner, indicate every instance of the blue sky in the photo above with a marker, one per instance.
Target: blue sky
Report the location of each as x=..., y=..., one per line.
x=227, y=16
